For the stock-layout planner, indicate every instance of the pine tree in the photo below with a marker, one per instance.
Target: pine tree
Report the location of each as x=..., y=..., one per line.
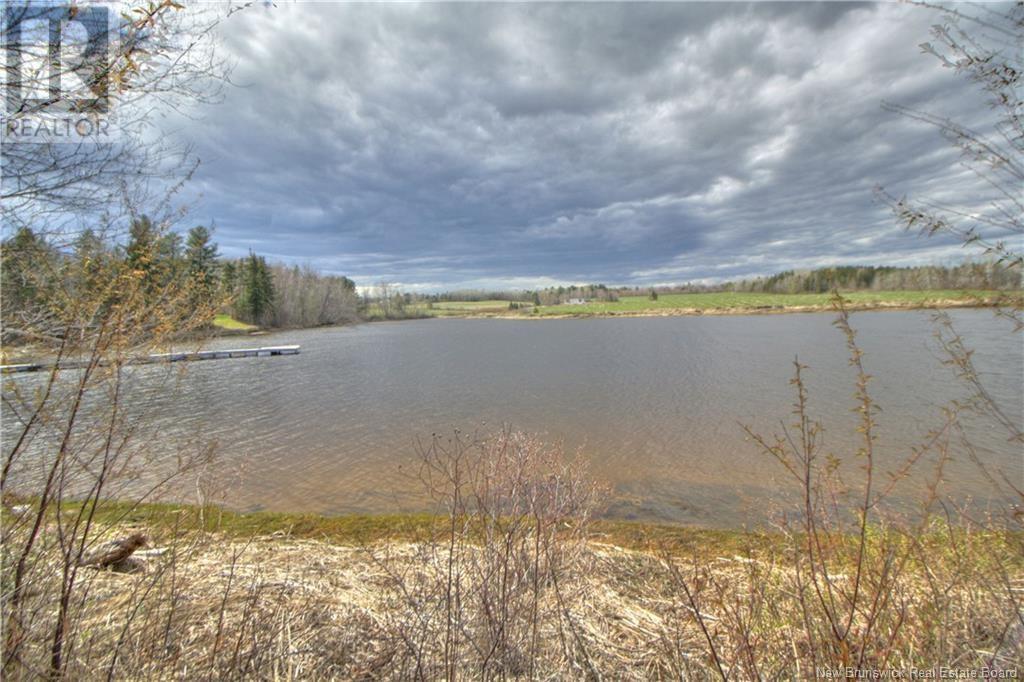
x=140, y=253
x=89, y=246
x=201, y=263
x=91, y=258
x=229, y=284
x=155, y=256
x=27, y=260
x=266, y=282
x=257, y=289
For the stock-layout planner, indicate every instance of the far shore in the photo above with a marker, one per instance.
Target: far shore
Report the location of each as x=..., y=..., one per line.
x=718, y=303
x=757, y=310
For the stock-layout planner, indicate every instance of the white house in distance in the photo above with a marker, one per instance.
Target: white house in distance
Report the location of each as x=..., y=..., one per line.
x=576, y=301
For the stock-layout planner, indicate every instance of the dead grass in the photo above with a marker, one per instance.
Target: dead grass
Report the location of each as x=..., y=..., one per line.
x=291, y=608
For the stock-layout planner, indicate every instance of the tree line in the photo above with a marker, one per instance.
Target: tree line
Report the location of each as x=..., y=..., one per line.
x=971, y=275
x=986, y=275
x=36, y=271
x=548, y=296
x=287, y=296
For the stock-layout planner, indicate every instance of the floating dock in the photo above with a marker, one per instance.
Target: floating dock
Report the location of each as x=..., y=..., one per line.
x=186, y=356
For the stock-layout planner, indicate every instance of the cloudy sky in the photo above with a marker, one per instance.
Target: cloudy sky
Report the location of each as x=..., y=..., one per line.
x=443, y=146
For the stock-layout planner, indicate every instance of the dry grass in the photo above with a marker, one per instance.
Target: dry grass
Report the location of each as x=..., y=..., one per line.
x=285, y=608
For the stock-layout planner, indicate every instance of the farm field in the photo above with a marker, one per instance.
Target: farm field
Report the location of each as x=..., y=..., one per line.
x=419, y=309
x=442, y=308
x=753, y=302
x=713, y=303
x=672, y=304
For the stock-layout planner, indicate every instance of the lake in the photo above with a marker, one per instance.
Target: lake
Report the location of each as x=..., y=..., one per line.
x=656, y=404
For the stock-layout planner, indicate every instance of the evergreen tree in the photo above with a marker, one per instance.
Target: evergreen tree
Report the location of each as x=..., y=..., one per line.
x=169, y=262
x=229, y=283
x=257, y=288
x=140, y=253
x=201, y=262
x=89, y=246
x=91, y=258
x=168, y=249
x=266, y=284
x=156, y=256
x=27, y=262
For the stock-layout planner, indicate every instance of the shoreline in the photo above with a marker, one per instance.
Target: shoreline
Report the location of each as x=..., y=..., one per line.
x=348, y=529
x=699, y=312
x=367, y=528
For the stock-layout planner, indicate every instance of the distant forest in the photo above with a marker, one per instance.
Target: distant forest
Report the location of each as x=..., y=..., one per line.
x=882, y=278
x=971, y=275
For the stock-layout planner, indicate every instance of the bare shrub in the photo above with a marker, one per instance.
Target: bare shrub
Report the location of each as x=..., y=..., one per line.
x=487, y=593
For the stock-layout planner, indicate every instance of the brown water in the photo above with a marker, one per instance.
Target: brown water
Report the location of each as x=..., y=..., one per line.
x=656, y=404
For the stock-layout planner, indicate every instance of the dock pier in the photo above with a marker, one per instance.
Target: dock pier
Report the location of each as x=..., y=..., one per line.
x=187, y=356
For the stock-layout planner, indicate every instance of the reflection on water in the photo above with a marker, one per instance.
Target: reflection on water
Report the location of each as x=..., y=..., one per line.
x=656, y=403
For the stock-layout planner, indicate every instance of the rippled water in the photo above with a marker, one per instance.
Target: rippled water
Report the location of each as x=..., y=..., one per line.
x=657, y=404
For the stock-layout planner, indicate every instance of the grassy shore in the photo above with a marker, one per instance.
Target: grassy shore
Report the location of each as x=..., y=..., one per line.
x=460, y=308
x=228, y=323
x=165, y=520
x=723, y=303
x=296, y=596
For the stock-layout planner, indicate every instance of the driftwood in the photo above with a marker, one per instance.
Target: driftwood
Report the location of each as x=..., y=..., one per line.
x=117, y=554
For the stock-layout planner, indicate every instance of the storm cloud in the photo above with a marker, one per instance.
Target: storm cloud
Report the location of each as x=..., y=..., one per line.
x=442, y=146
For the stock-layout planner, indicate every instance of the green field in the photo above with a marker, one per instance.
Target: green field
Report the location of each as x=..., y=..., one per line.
x=230, y=323
x=444, y=309
x=726, y=301
x=469, y=307
x=683, y=304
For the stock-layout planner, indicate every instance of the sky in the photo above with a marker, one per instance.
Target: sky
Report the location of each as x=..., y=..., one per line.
x=450, y=146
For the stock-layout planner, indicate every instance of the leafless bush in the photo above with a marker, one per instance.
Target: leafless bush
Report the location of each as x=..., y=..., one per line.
x=487, y=595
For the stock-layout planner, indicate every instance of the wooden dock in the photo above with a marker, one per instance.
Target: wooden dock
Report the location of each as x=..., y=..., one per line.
x=187, y=356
